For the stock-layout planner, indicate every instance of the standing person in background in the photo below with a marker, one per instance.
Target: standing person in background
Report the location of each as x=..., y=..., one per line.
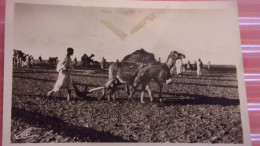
x=179, y=67
x=199, y=66
x=64, y=68
x=75, y=61
x=103, y=63
x=31, y=60
x=184, y=63
x=209, y=65
x=188, y=65
x=40, y=59
x=27, y=61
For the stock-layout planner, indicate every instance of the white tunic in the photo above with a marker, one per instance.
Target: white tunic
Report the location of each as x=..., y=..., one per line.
x=64, y=68
x=199, y=64
x=179, y=65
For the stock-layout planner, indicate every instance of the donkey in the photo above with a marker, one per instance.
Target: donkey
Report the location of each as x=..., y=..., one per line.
x=120, y=73
x=160, y=73
x=126, y=72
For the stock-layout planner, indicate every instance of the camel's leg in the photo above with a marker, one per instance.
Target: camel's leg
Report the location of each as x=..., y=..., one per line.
x=160, y=89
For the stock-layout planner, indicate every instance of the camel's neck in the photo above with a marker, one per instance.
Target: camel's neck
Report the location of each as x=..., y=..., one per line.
x=170, y=62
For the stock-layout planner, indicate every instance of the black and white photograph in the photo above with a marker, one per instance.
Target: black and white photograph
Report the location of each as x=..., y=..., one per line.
x=125, y=72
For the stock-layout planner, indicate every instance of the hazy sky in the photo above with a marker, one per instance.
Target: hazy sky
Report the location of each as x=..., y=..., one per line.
x=46, y=30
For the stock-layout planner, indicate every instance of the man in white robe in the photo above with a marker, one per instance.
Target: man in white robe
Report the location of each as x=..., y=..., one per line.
x=179, y=67
x=199, y=66
x=64, y=68
x=209, y=65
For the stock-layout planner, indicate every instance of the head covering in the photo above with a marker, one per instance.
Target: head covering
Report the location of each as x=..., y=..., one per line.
x=69, y=49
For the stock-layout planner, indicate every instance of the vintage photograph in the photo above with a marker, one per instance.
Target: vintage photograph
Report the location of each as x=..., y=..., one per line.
x=163, y=74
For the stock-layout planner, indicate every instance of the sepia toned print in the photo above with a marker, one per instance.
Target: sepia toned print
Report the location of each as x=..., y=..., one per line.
x=126, y=74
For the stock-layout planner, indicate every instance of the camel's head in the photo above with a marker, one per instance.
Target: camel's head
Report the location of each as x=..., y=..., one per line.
x=173, y=55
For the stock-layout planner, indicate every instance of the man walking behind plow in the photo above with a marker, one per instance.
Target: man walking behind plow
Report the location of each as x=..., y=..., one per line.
x=64, y=68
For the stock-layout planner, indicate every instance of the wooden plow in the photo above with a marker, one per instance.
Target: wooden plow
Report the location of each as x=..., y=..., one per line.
x=86, y=91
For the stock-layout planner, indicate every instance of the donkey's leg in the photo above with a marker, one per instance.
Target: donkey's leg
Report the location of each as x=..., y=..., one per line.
x=149, y=92
x=142, y=93
x=160, y=90
x=106, y=87
x=111, y=85
x=114, y=97
x=131, y=92
x=127, y=89
x=161, y=98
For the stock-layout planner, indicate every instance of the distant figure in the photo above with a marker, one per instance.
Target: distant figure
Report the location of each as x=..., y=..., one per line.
x=179, y=67
x=193, y=66
x=40, y=59
x=64, y=68
x=75, y=61
x=117, y=60
x=15, y=60
x=184, y=63
x=199, y=66
x=103, y=64
x=160, y=59
x=27, y=61
x=188, y=65
x=209, y=65
x=31, y=60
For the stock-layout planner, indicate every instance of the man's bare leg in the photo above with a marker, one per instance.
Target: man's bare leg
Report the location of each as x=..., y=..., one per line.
x=50, y=93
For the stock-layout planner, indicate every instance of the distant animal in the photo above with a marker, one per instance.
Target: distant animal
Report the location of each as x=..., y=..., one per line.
x=86, y=61
x=53, y=61
x=96, y=64
x=18, y=58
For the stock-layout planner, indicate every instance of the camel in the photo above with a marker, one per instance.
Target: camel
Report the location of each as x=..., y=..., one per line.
x=85, y=60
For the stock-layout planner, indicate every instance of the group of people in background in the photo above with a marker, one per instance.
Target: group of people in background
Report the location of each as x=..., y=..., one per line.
x=181, y=66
